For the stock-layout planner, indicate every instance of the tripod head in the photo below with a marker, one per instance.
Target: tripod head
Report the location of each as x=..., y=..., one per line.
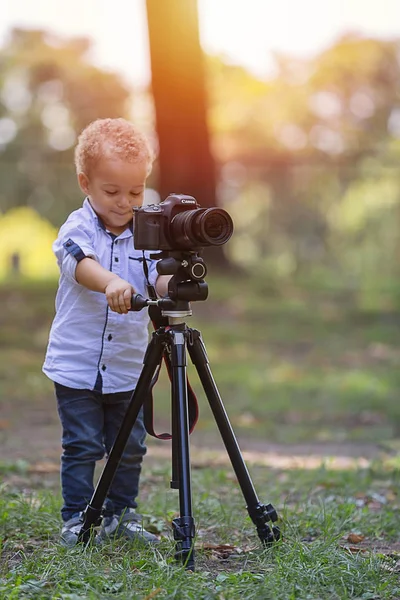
x=186, y=285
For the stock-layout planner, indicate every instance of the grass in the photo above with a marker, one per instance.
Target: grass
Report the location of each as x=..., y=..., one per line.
x=320, y=512
x=292, y=366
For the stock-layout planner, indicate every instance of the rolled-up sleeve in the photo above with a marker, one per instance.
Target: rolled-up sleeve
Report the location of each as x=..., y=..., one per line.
x=74, y=243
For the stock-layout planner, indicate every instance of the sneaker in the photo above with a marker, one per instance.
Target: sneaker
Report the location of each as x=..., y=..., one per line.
x=128, y=525
x=70, y=531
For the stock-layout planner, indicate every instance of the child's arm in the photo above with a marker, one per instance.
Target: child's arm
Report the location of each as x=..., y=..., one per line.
x=93, y=276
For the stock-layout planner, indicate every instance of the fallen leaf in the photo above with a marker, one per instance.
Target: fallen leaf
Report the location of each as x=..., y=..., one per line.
x=220, y=550
x=208, y=546
x=355, y=538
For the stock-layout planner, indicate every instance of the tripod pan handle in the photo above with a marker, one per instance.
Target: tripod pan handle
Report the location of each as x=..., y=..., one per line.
x=138, y=302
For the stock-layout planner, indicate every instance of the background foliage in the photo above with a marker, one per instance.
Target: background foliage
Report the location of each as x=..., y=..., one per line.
x=307, y=162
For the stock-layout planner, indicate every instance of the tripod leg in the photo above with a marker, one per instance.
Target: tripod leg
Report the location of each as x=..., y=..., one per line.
x=92, y=513
x=259, y=513
x=184, y=529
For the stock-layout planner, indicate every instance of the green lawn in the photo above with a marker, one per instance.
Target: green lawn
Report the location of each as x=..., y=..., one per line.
x=292, y=368
x=340, y=540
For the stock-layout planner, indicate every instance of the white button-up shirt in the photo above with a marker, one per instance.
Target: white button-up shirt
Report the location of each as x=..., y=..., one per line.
x=87, y=339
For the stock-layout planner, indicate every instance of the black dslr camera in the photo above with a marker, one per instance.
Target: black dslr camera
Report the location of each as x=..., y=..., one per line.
x=178, y=223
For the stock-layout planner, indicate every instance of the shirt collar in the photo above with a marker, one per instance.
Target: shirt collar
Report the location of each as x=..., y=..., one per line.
x=126, y=233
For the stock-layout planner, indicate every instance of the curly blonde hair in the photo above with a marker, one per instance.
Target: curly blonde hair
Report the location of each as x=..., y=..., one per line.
x=111, y=137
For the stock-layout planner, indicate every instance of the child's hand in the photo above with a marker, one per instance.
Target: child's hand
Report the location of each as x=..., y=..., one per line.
x=119, y=295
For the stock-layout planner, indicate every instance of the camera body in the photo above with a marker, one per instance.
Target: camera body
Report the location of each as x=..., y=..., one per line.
x=178, y=223
x=152, y=222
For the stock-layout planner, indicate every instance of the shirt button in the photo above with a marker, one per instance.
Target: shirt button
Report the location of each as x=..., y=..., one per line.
x=103, y=368
x=116, y=259
x=109, y=337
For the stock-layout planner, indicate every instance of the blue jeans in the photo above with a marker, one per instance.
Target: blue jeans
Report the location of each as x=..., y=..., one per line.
x=90, y=422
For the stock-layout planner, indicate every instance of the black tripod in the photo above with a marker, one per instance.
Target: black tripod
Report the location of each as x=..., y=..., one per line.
x=172, y=340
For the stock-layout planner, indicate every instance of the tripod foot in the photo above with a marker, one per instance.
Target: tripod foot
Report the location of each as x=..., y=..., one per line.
x=269, y=536
x=91, y=518
x=184, y=531
x=261, y=515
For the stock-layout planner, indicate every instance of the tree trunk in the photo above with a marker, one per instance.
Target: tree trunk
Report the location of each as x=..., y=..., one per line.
x=186, y=165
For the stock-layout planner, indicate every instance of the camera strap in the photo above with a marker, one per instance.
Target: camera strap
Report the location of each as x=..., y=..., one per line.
x=148, y=405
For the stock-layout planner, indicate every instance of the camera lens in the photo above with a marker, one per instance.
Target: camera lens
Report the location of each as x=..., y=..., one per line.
x=201, y=227
x=212, y=226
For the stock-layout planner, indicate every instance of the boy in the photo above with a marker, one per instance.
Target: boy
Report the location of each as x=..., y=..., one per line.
x=96, y=346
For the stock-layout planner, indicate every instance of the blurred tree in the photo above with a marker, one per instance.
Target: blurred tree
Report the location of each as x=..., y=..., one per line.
x=339, y=106
x=292, y=152
x=179, y=90
x=186, y=164
x=306, y=135
x=48, y=93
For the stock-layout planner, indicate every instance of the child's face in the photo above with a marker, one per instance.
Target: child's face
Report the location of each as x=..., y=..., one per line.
x=114, y=187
